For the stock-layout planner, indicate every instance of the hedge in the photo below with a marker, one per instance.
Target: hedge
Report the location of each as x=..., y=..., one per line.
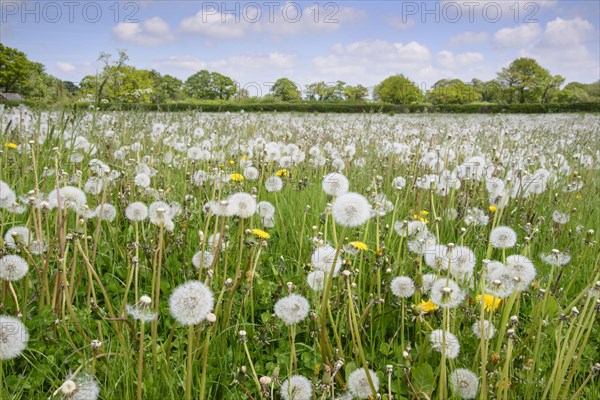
x=340, y=107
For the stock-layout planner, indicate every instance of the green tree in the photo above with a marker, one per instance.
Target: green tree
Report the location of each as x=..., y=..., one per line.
x=165, y=87
x=453, y=91
x=355, y=93
x=210, y=86
x=286, y=90
x=398, y=89
x=525, y=81
x=15, y=70
x=323, y=91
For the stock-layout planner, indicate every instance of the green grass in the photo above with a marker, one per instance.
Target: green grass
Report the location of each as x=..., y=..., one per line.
x=550, y=357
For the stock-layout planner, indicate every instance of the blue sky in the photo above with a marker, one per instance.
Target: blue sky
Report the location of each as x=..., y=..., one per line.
x=308, y=41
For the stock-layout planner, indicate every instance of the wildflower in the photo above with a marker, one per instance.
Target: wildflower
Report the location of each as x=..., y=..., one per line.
x=335, y=184
x=502, y=282
x=13, y=337
x=521, y=267
x=236, y=177
x=489, y=301
x=281, y=172
x=439, y=339
x=360, y=245
x=136, y=211
x=426, y=307
x=465, y=383
x=323, y=257
x=292, y=309
x=462, y=261
x=503, y=237
x=316, y=280
x=80, y=387
x=242, y=205
x=11, y=145
x=251, y=173
x=202, y=259
x=265, y=209
x=273, y=184
x=16, y=231
x=69, y=197
x=296, y=387
x=141, y=310
x=231, y=162
x=403, y=286
x=351, y=210
x=493, y=208
x=556, y=258
x=260, y=233
x=191, y=302
x=560, y=218
x=7, y=195
x=410, y=229
x=399, y=183
x=13, y=267
x=487, y=330
x=427, y=281
x=446, y=293
x=358, y=383
x=105, y=212
x=435, y=256
x=142, y=180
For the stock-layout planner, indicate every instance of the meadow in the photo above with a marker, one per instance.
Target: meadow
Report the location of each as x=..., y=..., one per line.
x=148, y=255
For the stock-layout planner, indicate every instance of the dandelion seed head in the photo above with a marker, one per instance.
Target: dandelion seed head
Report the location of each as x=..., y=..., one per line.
x=486, y=330
x=335, y=184
x=13, y=267
x=452, y=345
x=13, y=337
x=242, y=205
x=465, y=383
x=297, y=387
x=136, y=211
x=190, y=302
x=446, y=293
x=351, y=210
x=358, y=383
x=292, y=309
x=403, y=287
x=503, y=237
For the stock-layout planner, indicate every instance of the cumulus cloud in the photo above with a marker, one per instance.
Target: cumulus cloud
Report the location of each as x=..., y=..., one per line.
x=518, y=36
x=288, y=19
x=65, y=67
x=152, y=32
x=448, y=60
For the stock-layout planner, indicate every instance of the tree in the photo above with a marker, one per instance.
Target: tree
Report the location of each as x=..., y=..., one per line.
x=15, y=70
x=323, y=91
x=355, y=93
x=524, y=80
x=286, y=90
x=398, y=89
x=453, y=91
x=210, y=86
x=165, y=87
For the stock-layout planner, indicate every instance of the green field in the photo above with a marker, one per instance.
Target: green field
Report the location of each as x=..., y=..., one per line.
x=451, y=256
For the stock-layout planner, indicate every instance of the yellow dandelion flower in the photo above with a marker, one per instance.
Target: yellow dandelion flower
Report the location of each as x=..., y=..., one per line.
x=11, y=145
x=426, y=307
x=244, y=157
x=493, y=208
x=231, y=162
x=236, y=177
x=260, y=233
x=282, y=172
x=360, y=246
x=424, y=213
x=578, y=197
x=489, y=301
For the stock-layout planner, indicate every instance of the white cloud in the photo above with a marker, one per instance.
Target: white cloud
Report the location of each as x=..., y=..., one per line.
x=519, y=36
x=400, y=22
x=152, y=32
x=448, y=60
x=563, y=49
x=65, y=67
x=180, y=62
x=289, y=19
x=469, y=38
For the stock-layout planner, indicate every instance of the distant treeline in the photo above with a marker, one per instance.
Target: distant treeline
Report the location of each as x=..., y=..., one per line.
x=119, y=85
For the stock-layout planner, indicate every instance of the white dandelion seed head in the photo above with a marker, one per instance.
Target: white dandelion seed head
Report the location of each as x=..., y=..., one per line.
x=202, y=259
x=503, y=237
x=485, y=330
x=435, y=256
x=351, y=210
x=493, y=265
x=465, y=383
x=273, y=184
x=335, y=184
x=399, y=183
x=560, y=218
x=427, y=281
x=13, y=267
x=136, y=211
x=421, y=242
x=242, y=205
x=522, y=268
x=316, y=280
x=452, y=345
x=410, y=229
x=13, y=337
x=141, y=311
x=69, y=196
x=358, y=383
x=21, y=231
x=323, y=257
x=93, y=185
x=402, y=286
x=446, y=293
x=80, y=387
x=297, y=387
x=292, y=309
x=338, y=164
x=7, y=195
x=265, y=209
x=462, y=262
x=191, y=302
x=556, y=258
x=251, y=173
x=501, y=282
x=142, y=180
x=106, y=212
